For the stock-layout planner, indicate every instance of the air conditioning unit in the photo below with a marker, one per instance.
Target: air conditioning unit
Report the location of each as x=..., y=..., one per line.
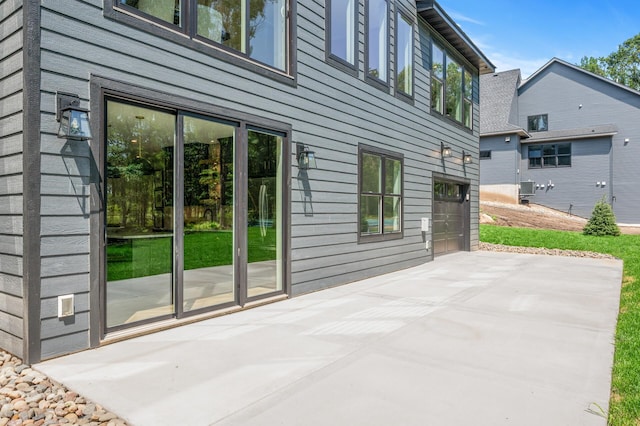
x=527, y=189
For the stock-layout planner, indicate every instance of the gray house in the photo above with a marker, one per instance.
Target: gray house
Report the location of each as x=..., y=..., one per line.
x=170, y=160
x=564, y=138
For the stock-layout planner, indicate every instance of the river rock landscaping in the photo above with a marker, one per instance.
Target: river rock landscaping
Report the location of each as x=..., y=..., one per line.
x=29, y=398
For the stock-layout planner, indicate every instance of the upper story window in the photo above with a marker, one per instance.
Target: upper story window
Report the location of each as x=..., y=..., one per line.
x=485, y=155
x=550, y=155
x=165, y=10
x=377, y=40
x=467, y=112
x=404, y=55
x=451, y=87
x=255, y=29
x=342, y=30
x=437, y=79
x=538, y=123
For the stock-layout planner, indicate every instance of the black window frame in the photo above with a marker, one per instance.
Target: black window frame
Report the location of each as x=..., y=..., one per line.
x=534, y=119
x=401, y=14
x=186, y=36
x=540, y=160
x=375, y=81
x=485, y=154
x=448, y=53
x=383, y=154
x=334, y=59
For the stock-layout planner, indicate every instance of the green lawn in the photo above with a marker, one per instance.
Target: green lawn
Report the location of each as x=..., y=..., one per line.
x=141, y=257
x=624, y=406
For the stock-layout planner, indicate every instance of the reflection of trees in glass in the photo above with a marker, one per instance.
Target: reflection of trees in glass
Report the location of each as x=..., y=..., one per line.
x=262, y=170
x=453, y=89
x=167, y=10
x=135, y=153
x=437, y=69
x=405, y=80
x=232, y=16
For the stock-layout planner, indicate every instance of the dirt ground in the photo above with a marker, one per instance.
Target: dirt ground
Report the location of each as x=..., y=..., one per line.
x=535, y=216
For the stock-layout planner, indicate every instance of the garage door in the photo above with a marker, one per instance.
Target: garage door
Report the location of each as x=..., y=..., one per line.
x=449, y=218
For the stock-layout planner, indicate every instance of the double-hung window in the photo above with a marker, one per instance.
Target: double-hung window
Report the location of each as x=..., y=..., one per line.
x=380, y=194
x=377, y=40
x=256, y=30
x=342, y=34
x=451, y=87
x=404, y=55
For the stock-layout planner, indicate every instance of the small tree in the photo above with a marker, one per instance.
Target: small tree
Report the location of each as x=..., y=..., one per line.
x=602, y=221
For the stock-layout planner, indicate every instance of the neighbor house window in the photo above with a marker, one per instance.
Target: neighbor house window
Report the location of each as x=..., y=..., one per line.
x=550, y=155
x=255, y=29
x=538, y=123
x=380, y=194
x=451, y=87
x=343, y=30
x=404, y=55
x=485, y=155
x=377, y=39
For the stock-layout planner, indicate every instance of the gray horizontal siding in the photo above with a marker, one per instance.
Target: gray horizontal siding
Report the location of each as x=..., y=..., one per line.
x=11, y=178
x=575, y=188
x=64, y=344
x=501, y=168
x=331, y=111
x=559, y=91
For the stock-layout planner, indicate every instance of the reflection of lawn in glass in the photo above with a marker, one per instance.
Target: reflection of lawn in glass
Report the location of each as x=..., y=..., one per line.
x=141, y=257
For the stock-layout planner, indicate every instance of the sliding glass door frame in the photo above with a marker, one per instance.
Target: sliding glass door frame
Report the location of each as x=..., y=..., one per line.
x=243, y=124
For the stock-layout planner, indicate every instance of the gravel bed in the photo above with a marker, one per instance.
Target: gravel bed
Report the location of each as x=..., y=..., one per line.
x=29, y=398
x=547, y=251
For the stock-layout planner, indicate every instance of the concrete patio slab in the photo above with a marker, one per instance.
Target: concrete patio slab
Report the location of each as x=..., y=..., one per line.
x=472, y=338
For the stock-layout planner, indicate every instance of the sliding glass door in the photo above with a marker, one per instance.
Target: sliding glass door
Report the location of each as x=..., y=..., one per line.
x=139, y=213
x=264, y=233
x=172, y=209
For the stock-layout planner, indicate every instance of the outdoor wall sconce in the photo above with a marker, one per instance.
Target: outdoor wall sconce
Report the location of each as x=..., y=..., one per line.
x=306, y=159
x=74, y=120
x=467, y=158
x=445, y=151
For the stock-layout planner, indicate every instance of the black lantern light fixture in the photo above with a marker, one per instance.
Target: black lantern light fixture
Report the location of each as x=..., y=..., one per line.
x=74, y=120
x=445, y=151
x=467, y=158
x=306, y=158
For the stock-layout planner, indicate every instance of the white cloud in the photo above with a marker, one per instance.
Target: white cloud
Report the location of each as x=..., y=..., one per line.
x=459, y=17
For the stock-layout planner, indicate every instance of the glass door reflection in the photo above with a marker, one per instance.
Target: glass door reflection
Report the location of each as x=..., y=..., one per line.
x=264, y=214
x=139, y=213
x=208, y=213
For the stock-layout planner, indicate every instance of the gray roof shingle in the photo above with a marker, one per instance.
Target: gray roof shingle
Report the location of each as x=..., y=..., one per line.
x=498, y=97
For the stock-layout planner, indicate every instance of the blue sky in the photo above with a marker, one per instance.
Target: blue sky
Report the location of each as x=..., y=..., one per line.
x=526, y=34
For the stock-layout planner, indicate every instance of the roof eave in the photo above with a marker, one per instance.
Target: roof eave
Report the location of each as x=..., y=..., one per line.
x=570, y=137
x=520, y=132
x=435, y=16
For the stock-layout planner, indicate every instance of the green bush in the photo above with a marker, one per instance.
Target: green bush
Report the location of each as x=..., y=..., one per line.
x=602, y=221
